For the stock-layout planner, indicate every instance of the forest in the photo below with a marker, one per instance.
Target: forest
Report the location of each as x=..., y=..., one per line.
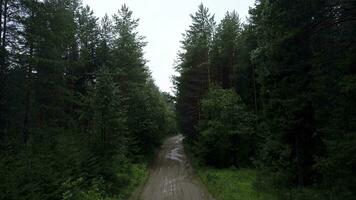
x=276, y=94
x=81, y=117
x=80, y=114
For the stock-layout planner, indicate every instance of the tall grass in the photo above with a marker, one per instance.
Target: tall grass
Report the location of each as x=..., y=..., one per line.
x=232, y=184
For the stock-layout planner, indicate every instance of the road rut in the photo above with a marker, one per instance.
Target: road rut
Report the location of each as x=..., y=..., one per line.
x=172, y=176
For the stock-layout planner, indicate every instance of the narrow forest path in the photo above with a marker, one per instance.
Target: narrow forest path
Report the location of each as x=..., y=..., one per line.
x=172, y=177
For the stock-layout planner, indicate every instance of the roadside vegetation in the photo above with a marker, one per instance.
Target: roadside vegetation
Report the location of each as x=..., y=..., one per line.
x=267, y=107
x=274, y=97
x=80, y=115
x=233, y=184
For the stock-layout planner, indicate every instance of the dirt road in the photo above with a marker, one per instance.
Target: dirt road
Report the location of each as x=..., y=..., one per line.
x=172, y=177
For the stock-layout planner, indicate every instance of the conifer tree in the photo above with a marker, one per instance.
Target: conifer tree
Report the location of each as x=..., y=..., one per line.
x=66, y=132
x=224, y=50
x=194, y=69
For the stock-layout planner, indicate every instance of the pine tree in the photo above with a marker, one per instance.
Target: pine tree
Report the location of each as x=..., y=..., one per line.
x=224, y=50
x=284, y=74
x=67, y=83
x=333, y=93
x=104, y=50
x=128, y=50
x=194, y=69
x=244, y=73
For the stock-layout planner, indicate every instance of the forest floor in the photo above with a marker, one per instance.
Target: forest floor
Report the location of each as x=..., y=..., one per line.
x=172, y=177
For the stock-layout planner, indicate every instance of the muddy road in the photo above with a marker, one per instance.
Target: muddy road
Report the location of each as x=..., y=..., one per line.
x=172, y=177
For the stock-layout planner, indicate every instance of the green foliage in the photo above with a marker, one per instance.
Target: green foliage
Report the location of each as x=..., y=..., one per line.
x=224, y=50
x=232, y=184
x=81, y=107
x=149, y=126
x=292, y=64
x=194, y=69
x=137, y=173
x=226, y=129
x=300, y=70
x=217, y=122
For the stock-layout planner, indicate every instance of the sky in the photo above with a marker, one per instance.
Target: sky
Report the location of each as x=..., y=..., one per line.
x=163, y=22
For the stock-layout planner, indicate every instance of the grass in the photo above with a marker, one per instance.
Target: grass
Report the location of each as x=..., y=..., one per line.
x=232, y=184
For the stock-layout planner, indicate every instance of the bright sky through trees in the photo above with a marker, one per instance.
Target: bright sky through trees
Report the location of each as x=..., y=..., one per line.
x=162, y=22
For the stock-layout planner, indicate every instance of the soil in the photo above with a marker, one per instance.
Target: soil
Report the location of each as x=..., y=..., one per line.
x=172, y=177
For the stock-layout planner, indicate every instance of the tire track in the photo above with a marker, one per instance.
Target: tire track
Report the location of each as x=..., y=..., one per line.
x=172, y=177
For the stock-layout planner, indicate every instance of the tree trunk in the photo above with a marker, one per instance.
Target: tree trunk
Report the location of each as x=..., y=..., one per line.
x=4, y=25
x=102, y=128
x=3, y=43
x=3, y=28
x=254, y=88
x=25, y=130
x=1, y=2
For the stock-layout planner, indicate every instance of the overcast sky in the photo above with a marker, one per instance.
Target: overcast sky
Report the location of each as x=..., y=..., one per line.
x=162, y=22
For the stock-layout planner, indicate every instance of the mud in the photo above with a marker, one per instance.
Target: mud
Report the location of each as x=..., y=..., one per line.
x=172, y=176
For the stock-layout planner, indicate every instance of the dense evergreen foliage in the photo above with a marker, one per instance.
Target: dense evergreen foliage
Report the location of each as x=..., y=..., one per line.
x=80, y=115
x=79, y=109
x=226, y=129
x=285, y=95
